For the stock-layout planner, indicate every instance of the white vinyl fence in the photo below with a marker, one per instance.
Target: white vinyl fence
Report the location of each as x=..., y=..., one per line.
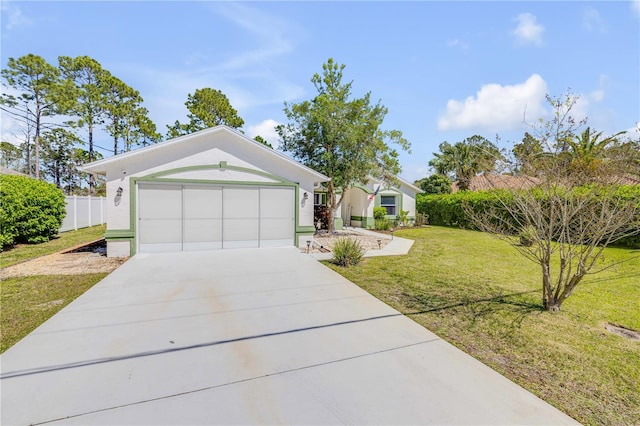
x=83, y=212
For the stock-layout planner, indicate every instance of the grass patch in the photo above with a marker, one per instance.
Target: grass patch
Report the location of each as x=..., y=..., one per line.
x=24, y=252
x=479, y=294
x=27, y=302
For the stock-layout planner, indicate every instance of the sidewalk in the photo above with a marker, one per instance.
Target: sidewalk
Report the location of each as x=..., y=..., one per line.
x=396, y=247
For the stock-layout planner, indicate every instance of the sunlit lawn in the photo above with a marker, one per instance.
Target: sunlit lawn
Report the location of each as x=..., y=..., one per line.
x=27, y=302
x=480, y=294
x=23, y=252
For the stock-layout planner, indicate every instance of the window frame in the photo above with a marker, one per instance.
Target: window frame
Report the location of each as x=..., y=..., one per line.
x=393, y=207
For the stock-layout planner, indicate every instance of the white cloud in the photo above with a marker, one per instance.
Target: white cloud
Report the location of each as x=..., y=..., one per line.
x=633, y=133
x=528, y=30
x=458, y=43
x=593, y=21
x=13, y=17
x=266, y=129
x=496, y=107
x=272, y=40
x=635, y=8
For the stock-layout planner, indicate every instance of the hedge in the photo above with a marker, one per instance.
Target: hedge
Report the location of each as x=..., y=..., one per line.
x=447, y=209
x=31, y=211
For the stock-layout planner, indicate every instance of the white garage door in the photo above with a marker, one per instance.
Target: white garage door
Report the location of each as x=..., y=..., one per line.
x=208, y=217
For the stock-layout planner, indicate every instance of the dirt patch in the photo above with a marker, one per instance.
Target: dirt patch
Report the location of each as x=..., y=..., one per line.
x=623, y=331
x=324, y=241
x=87, y=259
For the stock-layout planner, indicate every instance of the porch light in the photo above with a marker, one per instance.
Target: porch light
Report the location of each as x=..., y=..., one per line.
x=305, y=196
x=119, y=191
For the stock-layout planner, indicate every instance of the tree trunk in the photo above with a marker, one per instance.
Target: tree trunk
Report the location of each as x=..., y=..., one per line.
x=91, y=178
x=549, y=301
x=552, y=304
x=37, y=151
x=331, y=202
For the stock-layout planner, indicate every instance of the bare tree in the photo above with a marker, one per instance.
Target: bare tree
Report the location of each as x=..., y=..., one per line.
x=567, y=221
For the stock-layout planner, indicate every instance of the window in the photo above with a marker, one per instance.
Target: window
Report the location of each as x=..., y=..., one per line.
x=319, y=199
x=389, y=203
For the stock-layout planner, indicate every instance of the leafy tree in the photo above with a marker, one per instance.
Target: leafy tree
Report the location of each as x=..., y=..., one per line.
x=121, y=102
x=207, y=108
x=528, y=155
x=38, y=84
x=11, y=156
x=341, y=136
x=57, y=151
x=567, y=224
x=138, y=129
x=435, y=184
x=588, y=153
x=464, y=160
x=88, y=95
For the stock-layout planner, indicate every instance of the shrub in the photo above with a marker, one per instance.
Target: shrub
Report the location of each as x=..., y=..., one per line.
x=403, y=218
x=382, y=224
x=379, y=213
x=449, y=209
x=347, y=252
x=31, y=210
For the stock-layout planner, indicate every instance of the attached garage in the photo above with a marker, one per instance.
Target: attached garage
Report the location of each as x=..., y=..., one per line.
x=210, y=190
x=211, y=217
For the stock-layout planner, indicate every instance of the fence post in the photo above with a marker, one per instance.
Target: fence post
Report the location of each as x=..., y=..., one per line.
x=75, y=212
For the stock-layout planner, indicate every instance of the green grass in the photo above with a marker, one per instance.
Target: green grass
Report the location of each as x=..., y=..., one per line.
x=27, y=302
x=24, y=252
x=480, y=294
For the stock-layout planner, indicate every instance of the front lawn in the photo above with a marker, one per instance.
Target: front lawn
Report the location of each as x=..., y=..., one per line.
x=24, y=252
x=27, y=302
x=478, y=293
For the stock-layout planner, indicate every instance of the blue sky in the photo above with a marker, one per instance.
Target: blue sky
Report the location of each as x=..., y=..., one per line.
x=445, y=70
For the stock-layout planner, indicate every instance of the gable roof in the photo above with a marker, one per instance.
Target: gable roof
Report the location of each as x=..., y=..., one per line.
x=403, y=183
x=101, y=166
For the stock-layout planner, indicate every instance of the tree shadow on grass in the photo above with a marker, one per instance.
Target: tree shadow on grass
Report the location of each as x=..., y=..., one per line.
x=501, y=306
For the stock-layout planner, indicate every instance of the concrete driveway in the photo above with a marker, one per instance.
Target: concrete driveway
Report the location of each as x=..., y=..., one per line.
x=260, y=336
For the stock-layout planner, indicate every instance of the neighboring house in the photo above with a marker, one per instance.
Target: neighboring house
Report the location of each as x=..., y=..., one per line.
x=356, y=209
x=487, y=181
x=213, y=189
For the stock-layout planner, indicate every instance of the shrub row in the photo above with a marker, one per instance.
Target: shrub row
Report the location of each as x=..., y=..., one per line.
x=31, y=211
x=447, y=209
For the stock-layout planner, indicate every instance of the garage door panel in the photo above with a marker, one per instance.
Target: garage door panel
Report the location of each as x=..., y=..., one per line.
x=160, y=202
x=276, y=202
x=202, y=218
x=160, y=213
x=240, y=233
x=241, y=203
x=202, y=202
x=201, y=230
x=276, y=228
x=277, y=218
